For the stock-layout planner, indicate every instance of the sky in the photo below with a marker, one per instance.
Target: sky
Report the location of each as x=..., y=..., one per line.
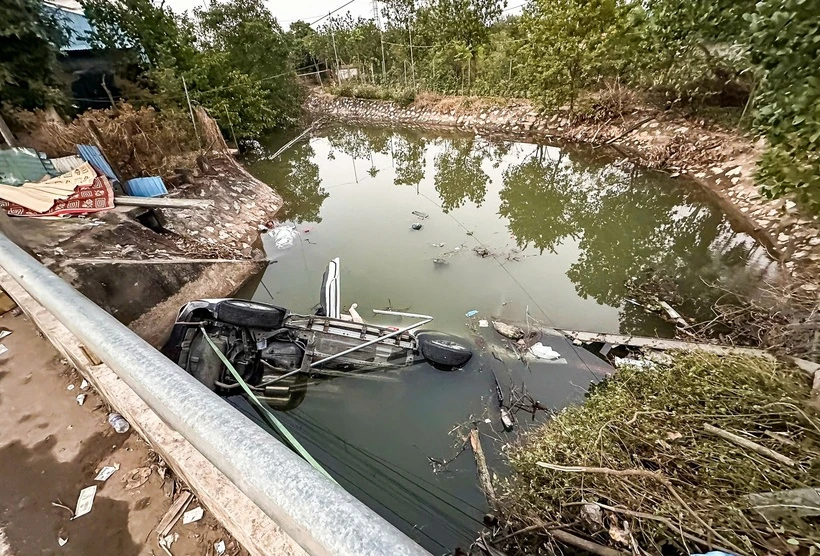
x=288, y=11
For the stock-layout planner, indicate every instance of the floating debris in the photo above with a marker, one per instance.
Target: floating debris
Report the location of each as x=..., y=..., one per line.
x=483, y=324
x=472, y=313
x=544, y=352
x=416, y=226
x=508, y=330
x=422, y=215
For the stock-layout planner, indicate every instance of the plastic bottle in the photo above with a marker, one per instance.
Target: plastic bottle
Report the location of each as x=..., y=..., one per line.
x=118, y=422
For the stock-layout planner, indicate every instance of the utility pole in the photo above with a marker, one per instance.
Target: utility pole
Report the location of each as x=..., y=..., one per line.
x=191, y=109
x=412, y=63
x=378, y=18
x=335, y=52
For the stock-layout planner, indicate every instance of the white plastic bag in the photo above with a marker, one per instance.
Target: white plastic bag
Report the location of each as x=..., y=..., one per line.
x=283, y=236
x=544, y=352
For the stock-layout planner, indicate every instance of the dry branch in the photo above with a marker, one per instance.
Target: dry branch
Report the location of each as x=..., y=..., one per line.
x=748, y=444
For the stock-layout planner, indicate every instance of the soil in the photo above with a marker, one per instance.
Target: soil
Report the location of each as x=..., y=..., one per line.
x=51, y=447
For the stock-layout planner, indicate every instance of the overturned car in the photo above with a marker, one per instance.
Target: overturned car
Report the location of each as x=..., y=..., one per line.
x=277, y=353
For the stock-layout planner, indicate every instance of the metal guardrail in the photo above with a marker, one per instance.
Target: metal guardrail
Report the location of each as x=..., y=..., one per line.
x=316, y=513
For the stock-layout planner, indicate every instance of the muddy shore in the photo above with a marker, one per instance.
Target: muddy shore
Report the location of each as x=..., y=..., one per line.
x=720, y=161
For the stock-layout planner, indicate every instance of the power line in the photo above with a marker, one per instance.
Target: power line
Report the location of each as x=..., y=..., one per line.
x=331, y=13
x=513, y=7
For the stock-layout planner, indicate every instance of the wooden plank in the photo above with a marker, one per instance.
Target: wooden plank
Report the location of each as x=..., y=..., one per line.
x=161, y=202
x=661, y=343
x=254, y=530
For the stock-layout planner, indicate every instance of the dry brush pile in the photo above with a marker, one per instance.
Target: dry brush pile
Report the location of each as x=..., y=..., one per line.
x=139, y=142
x=637, y=470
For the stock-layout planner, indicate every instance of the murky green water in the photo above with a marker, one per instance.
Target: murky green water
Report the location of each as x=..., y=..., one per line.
x=564, y=229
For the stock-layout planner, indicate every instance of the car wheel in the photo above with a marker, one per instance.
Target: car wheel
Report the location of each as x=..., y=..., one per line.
x=444, y=350
x=250, y=314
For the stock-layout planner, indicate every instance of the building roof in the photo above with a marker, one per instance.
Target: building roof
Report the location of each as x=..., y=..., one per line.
x=75, y=21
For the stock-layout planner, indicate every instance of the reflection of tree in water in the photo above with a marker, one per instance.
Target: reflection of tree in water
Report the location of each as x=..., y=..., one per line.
x=296, y=178
x=541, y=199
x=636, y=225
x=408, y=157
x=357, y=142
x=459, y=175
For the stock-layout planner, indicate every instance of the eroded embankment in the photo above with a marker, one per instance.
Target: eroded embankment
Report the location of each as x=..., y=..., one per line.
x=721, y=161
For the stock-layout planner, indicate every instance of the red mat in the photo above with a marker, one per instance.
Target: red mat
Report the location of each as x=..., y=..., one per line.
x=86, y=198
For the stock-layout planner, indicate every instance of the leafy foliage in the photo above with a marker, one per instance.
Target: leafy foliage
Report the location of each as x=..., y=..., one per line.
x=30, y=37
x=784, y=38
x=233, y=56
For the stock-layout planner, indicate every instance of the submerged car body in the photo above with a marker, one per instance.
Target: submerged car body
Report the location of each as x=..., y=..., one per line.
x=276, y=352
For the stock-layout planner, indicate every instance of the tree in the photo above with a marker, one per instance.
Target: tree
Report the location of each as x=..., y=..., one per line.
x=568, y=42
x=244, y=66
x=785, y=45
x=143, y=33
x=30, y=38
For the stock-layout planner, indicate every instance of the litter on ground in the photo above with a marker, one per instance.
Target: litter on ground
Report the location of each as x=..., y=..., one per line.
x=192, y=515
x=219, y=547
x=85, y=501
x=61, y=541
x=3, y=349
x=84, y=384
x=106, y=472
x=81, y=399
x=137, y=477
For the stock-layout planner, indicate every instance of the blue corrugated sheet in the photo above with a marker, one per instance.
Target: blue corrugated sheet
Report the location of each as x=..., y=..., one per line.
x=78, y=29
x=92, y=155
x=146, y=187
x=19, y=165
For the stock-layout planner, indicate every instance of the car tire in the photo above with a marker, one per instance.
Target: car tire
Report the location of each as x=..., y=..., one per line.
x=250, y=314
x=444, y=350
x=203, y=363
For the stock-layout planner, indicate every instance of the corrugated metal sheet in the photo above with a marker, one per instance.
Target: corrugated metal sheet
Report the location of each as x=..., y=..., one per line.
x=19, y=165
x=66, y=163
x=146, y=187
x=48, y=165
x=78, y=29
x=92, y=155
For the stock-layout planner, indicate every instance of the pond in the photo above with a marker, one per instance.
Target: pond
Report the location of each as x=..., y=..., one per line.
x=543, y=235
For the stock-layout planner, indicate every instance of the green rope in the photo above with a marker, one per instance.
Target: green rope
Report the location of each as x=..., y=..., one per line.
x=272, y=420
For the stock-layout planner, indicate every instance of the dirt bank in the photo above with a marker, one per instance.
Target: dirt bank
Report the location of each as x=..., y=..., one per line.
x=720, y=160
x=51, y=448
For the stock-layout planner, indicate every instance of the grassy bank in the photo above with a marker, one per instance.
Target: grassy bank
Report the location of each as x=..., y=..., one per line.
x=635, y=468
